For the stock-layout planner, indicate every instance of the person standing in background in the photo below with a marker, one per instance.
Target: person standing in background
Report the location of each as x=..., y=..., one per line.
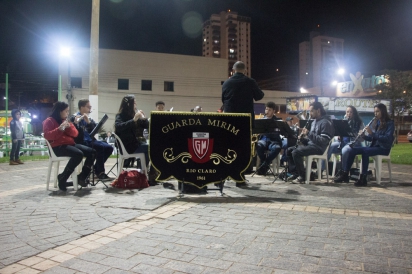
x=17, y=136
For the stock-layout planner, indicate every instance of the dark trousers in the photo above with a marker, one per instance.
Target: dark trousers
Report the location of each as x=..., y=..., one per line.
x=15, y=150
x=144, y=148
x=296, y=158
x=76, y=153
x=366, y=152
x=273, y=149
x=103, y=152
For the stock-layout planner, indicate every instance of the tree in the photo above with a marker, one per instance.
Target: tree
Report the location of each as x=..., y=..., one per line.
x=398, y=89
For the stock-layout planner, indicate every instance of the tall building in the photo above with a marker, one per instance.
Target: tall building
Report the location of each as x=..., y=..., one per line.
x=227, y=35
x=319, y=60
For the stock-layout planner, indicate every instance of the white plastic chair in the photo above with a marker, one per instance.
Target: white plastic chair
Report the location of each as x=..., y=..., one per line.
x=377, y=165
x=319, y=158
x=54, y=159
x=335, y=159
x=124, y=155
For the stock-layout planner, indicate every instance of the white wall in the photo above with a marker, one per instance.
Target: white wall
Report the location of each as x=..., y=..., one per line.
x=197, y=81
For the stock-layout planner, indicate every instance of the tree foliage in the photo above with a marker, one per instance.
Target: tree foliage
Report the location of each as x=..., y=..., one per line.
x=398, y=89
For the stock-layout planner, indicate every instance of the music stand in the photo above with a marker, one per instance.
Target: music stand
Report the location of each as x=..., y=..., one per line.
x=272, y=126
x=99, y=126
x=94, y=131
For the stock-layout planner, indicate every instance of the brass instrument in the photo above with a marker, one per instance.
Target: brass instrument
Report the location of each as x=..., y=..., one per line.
x=351, y=144
x=302, y=116
x=255, y=138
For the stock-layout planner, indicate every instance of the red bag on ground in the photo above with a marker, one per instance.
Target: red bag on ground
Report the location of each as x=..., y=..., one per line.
x=131, y=179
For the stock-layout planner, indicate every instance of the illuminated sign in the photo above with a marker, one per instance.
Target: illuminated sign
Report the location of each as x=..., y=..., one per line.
x=359, y=86
x=361, y=104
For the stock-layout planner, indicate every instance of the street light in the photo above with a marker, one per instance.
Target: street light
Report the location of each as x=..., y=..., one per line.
x=65, y=52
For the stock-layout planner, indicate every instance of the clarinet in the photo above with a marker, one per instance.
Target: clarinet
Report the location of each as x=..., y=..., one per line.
x=301, y=135
x=351, y=144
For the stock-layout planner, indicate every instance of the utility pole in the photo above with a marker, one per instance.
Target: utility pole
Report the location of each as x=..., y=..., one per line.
x=19, y=94
x=94, y=60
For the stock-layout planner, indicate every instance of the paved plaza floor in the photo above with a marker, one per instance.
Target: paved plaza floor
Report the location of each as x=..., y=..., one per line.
x=263, y=228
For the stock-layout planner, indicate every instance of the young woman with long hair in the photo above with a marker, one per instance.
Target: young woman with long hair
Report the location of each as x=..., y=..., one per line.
x=356, y=124
x=61, y=133
x=380, y=134
x=127, y=124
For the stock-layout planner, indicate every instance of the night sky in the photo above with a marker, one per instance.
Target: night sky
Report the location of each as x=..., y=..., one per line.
x=377, y=33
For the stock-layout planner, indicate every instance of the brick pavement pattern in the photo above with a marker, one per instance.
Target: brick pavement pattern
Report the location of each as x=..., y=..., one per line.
x=262, y=228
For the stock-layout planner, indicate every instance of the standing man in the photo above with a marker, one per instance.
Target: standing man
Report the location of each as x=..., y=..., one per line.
x=239, y=91
x=238, y=94
x=85, y=126
x=313, y=142
x=271, y=142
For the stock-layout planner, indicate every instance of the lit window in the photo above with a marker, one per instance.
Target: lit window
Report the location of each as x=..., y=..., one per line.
x=216, y=52
x=204, y=40
x=216, y=41
x=231, y=50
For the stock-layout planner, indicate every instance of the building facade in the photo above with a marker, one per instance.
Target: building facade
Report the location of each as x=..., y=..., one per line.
x=319, y=60
x=227, y=35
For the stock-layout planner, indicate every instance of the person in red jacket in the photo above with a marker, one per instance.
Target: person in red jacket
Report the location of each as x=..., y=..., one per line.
x=61, y=133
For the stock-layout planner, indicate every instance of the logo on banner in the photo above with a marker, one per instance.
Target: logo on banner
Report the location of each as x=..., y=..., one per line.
x=200, y=147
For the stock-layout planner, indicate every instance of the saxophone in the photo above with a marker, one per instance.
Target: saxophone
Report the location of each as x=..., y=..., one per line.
x=255, y=138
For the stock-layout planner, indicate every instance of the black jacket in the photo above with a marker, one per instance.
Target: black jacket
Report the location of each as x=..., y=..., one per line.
x=321, y=132
x=238, y=93
x=127, y=130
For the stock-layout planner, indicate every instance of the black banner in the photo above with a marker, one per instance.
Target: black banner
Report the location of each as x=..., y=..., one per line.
x=200, y=148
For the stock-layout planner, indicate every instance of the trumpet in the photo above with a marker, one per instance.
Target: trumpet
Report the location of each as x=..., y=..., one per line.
x=351, y=144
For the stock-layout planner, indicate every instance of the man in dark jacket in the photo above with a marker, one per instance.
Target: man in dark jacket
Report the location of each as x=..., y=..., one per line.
x=315, y=142
x=239, y=91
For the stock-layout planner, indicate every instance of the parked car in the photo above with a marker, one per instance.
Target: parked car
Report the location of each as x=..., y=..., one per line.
x=409, y=136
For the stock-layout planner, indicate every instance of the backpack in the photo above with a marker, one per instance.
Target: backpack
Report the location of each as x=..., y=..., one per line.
x=131, y=179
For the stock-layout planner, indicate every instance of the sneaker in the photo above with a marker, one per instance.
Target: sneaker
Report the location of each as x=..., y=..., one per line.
x=81, y=181
x=298, y=180
x=13, y=163
x=103, y=177
x=19, y=161
x=292, y=177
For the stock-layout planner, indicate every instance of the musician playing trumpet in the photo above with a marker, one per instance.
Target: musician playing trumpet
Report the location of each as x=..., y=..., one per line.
x=313, y=142
x=380, y=134
x=271, y=142
x=85, y=125
x=356, y=124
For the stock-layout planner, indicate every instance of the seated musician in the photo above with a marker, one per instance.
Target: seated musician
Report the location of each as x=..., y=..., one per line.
x=355, y=124
x=85, y=126
x=61, y=134
x=380, y=134
x=128, y=123
x=270, y=142
x=313, y=142
x=286, y=141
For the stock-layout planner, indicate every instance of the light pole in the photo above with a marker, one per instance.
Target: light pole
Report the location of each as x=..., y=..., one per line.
x=65, y=52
